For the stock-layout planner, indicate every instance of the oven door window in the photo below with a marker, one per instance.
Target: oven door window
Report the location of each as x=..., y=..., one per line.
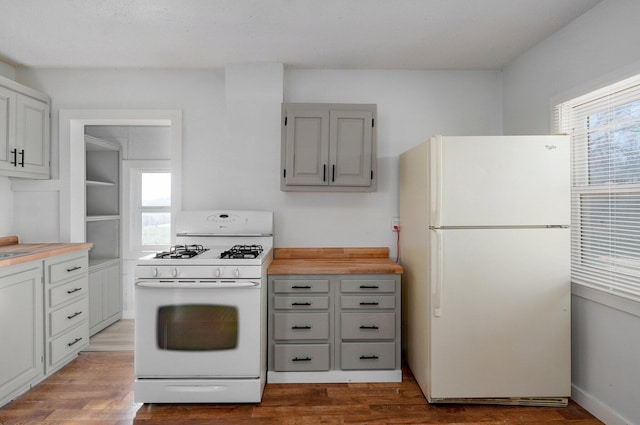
x=197, y=327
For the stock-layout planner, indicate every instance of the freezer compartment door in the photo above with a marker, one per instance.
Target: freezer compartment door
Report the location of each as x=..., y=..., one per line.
x=500, y=316
x=499, y=181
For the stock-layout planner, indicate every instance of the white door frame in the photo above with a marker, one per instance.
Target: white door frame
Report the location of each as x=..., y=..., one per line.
x=72, y=174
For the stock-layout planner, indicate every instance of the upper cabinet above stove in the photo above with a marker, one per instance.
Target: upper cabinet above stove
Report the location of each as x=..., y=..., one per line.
x=24, y=131
x=328, y=147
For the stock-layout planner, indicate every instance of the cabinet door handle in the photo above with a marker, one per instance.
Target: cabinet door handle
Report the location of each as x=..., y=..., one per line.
x=301, y=287
x=333, y=173
x=71, y=291
x=77, y=313
x=14, y=152
x=300, y=303
x=73, y=269
x=22, y=158
x=372, y=357
x=374, y=327
x=369, y=303
x=369, y=287
x=324, y=172
x=296, y=327
x=301, y=359
x=75, y=341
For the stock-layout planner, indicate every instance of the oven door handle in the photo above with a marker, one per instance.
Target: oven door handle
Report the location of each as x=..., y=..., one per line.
x=198, y=284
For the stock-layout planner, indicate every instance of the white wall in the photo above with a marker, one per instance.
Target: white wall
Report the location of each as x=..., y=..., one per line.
x=598, y=48
x=231, y=135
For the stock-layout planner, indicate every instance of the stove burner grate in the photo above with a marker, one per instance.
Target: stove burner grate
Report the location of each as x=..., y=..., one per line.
x=182, y=251
x=242, y=251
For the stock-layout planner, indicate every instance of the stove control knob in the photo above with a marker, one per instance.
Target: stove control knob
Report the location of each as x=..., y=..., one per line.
x=236, y=272
x=154, y=272
x=174, y=272
x=218, y=272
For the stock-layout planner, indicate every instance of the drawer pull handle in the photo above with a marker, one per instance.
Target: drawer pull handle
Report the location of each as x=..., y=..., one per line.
x=74, y=268
x=369, y=303
x=71, y=291
x=373, y=357
x=75, y=341
x=306, y=303
x=77, y=313
x=296, y=327
x=374, y=327
x=301, y=359
x=369, y=287
x=301, y=287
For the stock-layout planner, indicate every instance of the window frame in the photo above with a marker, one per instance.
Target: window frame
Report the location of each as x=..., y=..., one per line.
x=624, y=92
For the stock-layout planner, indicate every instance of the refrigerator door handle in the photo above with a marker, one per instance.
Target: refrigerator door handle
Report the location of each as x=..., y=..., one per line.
x=436, y=272
x=435, y=168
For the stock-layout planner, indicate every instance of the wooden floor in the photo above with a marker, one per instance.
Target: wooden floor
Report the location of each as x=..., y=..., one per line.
x=97, y=388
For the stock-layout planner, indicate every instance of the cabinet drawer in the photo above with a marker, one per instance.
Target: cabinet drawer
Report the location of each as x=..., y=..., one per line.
x=301, y=286
x=368, y=325
x=301, y=303
x=300, y=357
x=68, y=343
x=368, y=302
x=368, y=355
x=67, y=291
x=68, y=316
x=368, y=285
x=70, y=268
x=300, y=326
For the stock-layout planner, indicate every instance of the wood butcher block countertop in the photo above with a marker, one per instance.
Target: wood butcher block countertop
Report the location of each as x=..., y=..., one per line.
x=36, y=251
x=332, y=261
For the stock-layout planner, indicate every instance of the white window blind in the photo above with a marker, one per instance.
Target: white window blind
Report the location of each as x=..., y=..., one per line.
x=605, y=200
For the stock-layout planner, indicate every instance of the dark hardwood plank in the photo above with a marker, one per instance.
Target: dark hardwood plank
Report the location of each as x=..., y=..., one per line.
x=97, y=388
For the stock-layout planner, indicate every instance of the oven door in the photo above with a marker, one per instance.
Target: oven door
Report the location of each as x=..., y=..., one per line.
x=197, y=329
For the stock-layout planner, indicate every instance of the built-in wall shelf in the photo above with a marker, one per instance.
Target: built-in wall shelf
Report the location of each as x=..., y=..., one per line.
x=101, y=217
x=99, y=183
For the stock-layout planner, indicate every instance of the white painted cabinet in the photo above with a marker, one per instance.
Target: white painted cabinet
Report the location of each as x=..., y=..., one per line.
x=103, y=230
x=24, y=131
x=105, y=296
x=66, y=308
x=21, y=329
x=328, y=147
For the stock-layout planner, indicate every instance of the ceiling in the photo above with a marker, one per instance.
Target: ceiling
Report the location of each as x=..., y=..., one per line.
x=340, y=34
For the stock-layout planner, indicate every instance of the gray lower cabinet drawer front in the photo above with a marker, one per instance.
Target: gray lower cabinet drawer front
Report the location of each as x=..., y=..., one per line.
x=368, y=325
x=68, y=291
x=69, y=316
x=370, y=302
x=301, y=357
x=67, y=269
x=301, y=303
x=368, y=355
x=68, y=343
x=305, y=326
x=367, y=285
x=301, y=286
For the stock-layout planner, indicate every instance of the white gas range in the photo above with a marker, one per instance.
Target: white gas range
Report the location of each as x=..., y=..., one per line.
x=201, y=311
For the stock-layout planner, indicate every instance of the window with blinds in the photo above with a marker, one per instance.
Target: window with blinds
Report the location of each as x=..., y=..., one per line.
x=605, y=199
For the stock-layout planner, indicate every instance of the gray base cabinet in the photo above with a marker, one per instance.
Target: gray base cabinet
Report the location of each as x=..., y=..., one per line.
x=105, y=296
x=44, y=319
x=334, y=328
x=21, y=327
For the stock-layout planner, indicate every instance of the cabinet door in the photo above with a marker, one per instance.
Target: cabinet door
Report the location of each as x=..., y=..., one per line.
x=350, y=148
x=111, y=292
x=95, y=298
x=7, y=127
x=33, y=135
x=21, y=327
x=307, y=147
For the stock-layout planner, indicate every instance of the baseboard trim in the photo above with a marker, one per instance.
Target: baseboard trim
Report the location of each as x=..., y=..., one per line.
x=597, y=408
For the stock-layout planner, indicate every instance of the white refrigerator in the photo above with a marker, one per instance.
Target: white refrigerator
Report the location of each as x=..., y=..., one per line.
x=485, y=247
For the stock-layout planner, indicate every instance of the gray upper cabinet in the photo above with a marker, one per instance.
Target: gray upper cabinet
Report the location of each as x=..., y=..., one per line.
x=24, y=131
x=328, y=147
